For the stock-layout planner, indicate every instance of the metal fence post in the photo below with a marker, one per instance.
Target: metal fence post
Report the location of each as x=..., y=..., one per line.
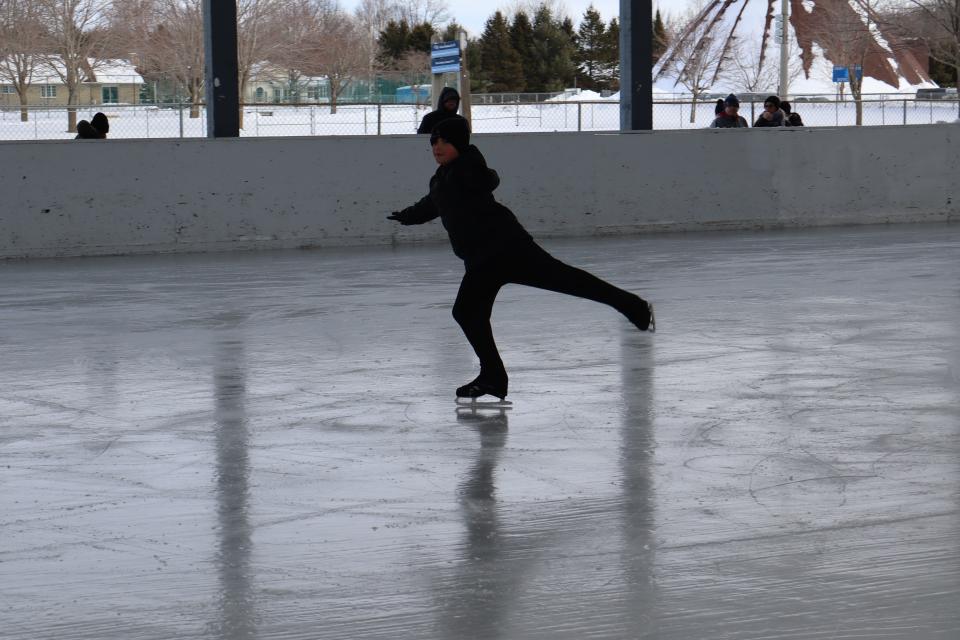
x=579, y=116
x=365, y=120
x=883, y=109
x=904, y=111
x=181, y=118
x=379, y=118
x=518, y=112
x=147, y=113
x=313, y=121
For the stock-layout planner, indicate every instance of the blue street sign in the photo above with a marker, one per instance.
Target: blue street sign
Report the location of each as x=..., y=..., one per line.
x=842, y=74
x=445, y=57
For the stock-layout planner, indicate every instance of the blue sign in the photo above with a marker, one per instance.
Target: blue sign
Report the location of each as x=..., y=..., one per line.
x=842, y=74
x=445, y=57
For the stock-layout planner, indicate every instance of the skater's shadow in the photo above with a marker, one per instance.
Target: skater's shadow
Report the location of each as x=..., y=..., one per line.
x=478, y=604
x=232, y=439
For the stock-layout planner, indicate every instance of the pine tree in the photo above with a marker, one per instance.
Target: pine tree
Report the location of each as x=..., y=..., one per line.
x=591, y=40
x=499, y=60
x=521, y=36
x=553, y=43
x=394, y=41
x=659, y=37
x=611, y=56
x=420, y=36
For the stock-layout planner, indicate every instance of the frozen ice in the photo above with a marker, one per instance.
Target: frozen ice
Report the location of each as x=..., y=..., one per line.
x=266, y=445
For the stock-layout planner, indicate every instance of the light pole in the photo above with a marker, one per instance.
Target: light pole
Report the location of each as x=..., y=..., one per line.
x=784, y=50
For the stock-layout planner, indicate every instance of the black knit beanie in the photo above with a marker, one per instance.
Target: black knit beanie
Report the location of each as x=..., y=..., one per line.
x=731, y=101
x=100, y=122
x=455, y=130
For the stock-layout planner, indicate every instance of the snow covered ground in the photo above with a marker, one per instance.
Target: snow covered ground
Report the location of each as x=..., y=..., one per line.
x=581, y=113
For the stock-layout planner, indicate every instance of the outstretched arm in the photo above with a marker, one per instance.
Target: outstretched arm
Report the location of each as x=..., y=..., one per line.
x=423, y=211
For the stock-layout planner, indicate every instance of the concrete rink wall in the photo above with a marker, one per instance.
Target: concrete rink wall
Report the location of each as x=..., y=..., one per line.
x=136, y=196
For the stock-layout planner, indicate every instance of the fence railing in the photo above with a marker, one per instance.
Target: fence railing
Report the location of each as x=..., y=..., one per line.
x=175, y=121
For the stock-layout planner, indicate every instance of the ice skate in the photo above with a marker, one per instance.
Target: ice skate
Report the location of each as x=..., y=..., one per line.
x=643, y=317
x=469, y=394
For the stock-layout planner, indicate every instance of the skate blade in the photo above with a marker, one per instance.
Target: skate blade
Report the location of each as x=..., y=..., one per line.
x=476, y=403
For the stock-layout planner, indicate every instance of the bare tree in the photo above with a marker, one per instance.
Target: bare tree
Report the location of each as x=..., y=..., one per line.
x=258, y=38
x=846, y=33
x=434, y=12
x=21, y=31
x=340, y=52
x=697, y=56
x=73, y=43
x=164, y=38
x=750, y=69
x=941, y=31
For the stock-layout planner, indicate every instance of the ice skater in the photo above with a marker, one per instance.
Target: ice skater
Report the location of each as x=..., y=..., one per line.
x=496, y=250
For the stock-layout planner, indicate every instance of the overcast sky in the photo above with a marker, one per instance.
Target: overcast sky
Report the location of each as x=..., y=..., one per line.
x=472, y=14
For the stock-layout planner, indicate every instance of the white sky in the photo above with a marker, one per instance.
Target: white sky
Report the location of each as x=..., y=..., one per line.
x=473, y=14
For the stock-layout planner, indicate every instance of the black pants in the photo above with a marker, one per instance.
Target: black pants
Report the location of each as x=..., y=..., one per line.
x=525, y=263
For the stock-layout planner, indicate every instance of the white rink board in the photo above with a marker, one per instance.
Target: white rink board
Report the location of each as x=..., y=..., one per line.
x=135, y=196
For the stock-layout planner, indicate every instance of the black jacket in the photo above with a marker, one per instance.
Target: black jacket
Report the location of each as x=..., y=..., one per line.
x=779, y=120
x=461, y=194
x=431, y=119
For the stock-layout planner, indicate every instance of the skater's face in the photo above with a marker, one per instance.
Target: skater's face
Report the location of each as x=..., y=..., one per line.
x=731, y=110
x=444, y=152
x=451, y=105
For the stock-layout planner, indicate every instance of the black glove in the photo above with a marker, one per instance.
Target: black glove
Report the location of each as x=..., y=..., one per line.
x=403, y=217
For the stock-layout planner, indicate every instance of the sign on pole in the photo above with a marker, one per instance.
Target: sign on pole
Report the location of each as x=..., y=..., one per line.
x=445, y=57
x=842, y=74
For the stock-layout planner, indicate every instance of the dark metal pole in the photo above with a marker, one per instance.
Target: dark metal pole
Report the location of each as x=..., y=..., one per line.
x=222, y=74
x=636, y=65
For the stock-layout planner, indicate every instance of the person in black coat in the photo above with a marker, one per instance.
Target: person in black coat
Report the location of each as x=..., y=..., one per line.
x=496, y=250
x=772, y=115
x=96, y=129
x=447, y=107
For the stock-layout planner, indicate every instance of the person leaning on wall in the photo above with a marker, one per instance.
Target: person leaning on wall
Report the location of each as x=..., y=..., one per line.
x=773, y=115
x=730, y=117
x=96, y=129
x=793, y=119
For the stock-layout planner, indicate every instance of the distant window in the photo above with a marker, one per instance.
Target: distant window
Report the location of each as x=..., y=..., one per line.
x=48, y=91
x=7, y=88
x=261, y=94
x=110, y=95
x=277, y=94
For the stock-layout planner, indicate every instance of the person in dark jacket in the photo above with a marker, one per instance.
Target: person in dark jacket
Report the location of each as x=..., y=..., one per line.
x=496, y=250
x=96, y=129
x=446, y=108
x=730, y=117
x=793, y=119
x=773, y=115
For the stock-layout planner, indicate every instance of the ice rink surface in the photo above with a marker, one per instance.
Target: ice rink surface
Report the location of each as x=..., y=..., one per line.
x=266, y=445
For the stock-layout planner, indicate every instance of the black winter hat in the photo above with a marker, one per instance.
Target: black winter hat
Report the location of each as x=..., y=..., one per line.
x=455, y=130
x=100, y=122
x=731, y=101
x=774, y=100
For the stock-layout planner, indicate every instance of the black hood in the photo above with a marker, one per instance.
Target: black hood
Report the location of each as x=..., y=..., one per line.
x=446, y=94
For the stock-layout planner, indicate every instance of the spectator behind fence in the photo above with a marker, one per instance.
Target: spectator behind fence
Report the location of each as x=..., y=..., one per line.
x=730, y=118
x=773, y=115
x=793, y=119
x=96, y=129
x=447, y=107
x=717, y=110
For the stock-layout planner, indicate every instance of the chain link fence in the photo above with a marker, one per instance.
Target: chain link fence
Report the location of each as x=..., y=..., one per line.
x=545, y=115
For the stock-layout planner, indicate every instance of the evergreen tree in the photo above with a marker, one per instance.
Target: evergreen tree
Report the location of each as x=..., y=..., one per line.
x=591, y=42
x=499, y=60
x=611, y=56
x=521, y=37
x=394, y=41
x=553, y=42
x=420, y=36
x=451, y=32
x=659, y=37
